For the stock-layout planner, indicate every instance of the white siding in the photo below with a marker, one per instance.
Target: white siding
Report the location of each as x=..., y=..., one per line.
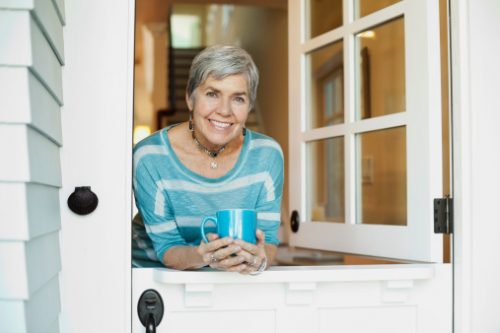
x=31, y=57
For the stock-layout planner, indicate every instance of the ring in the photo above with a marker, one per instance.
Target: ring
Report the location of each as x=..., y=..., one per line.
x=254, y=262
x=212, y=258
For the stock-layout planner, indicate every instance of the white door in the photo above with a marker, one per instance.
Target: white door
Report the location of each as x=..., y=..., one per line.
x=97, y=133
x=97, y=142
x=365, y=116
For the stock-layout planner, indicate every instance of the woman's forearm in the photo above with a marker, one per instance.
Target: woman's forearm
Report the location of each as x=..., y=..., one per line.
x=270, y=253
x=183, y=257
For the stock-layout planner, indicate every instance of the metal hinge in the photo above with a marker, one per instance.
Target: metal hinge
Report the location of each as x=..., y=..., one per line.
x=443, y=216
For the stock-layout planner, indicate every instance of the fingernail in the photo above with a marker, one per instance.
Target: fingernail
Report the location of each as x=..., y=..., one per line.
x=237, y=248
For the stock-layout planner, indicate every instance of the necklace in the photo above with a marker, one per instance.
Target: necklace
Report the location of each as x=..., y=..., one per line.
x=212, y=153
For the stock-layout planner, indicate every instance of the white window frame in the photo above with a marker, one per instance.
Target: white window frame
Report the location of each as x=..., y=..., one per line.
x=416, y=241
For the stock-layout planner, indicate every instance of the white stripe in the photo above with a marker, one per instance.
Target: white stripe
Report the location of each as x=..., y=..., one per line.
x=161, y=227
x=148, y=150
x=149, y=252
x=182, y=185
x=189, y=221
x=257, y=143
x=269, y=216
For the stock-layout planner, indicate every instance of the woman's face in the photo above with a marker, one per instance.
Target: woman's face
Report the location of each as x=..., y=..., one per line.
x=220, y=109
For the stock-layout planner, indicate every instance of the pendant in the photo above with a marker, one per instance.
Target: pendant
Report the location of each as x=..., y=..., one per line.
x=213, y=165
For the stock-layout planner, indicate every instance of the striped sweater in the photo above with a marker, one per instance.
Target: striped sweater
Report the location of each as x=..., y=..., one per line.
x=172, y=200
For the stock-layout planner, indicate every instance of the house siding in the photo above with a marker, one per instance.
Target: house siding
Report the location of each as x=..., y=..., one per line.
x=31, y=97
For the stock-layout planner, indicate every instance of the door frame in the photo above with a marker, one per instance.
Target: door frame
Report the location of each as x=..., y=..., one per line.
x=475, y=187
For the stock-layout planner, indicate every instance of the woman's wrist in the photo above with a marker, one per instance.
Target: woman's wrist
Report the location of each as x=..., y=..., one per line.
x=262, y=267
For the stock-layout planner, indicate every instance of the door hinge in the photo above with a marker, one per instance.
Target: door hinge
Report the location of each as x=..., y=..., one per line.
x=443, y=215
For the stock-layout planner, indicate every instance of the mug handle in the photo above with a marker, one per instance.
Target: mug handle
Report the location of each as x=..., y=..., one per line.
x=202, y=226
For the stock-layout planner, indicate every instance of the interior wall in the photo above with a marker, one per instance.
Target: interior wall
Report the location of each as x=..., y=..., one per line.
x=263, y=33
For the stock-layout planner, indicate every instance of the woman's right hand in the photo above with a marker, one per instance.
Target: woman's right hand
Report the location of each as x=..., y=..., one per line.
x=219, y=253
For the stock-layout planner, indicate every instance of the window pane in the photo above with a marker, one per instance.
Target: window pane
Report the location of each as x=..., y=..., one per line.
x=380, y=88
x=365, y=7
x=325, y=180
x=325, y=99
x=323, y=16
x=381, y=177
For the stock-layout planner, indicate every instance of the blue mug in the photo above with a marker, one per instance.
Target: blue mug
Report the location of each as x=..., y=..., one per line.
x=235, y=223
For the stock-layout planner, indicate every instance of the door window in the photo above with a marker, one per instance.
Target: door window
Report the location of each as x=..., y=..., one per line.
x=365, y=126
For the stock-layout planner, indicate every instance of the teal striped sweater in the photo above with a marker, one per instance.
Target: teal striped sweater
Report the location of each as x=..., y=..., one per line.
x=172, y=200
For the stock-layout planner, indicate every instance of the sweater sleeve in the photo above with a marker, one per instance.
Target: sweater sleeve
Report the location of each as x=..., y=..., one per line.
x=269, y=202
x=154, y=205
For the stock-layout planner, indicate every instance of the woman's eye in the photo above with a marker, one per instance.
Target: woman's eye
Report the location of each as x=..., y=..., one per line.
x=211, y=94
x=240, y=99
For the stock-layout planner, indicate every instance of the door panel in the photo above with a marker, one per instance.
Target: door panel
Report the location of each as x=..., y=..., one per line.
x=96, y=152
x=387, y=54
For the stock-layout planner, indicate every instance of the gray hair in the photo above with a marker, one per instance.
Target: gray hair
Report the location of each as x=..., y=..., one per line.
x=220, y=61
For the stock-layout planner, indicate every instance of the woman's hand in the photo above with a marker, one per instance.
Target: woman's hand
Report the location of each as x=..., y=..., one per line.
x=220, y=253
x=254, y=255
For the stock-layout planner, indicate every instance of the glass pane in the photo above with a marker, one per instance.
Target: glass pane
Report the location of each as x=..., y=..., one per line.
x=325, y=73
x=323, y=16
x=381, y=177
x=380, y=88
x=325, y=180
x=365, y=7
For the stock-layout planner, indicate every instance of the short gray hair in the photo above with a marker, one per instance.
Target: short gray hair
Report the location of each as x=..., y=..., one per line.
x=220, y=61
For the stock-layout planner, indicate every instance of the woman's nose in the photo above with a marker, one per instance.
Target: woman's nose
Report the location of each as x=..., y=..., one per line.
x=225, y=108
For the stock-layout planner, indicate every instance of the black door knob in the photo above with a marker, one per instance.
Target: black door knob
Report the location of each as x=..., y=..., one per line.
x=295, y=221
x=82, y=201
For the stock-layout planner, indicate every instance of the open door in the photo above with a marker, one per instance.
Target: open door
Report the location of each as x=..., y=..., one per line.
x=365, y=127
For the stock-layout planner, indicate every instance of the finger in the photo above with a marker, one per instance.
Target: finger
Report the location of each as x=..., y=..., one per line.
x=250, y=259
x=217, y=244
x=231, y=262
x=249, y=247
x=212, y=236
x=226, y=252
x=247, y=270
x=237, y=268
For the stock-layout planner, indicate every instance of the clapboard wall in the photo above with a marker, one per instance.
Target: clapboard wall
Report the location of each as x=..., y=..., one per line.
x=31, y=60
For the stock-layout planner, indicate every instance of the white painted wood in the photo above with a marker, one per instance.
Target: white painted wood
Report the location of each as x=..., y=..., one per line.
x=33, y=210
x=59, y=5
x=45, y=110
x=45, y=63
x=318, y=295
x=14, y=144
x=30, y=265
x=300, y=274
x=97, y=152
x=15, y=49
x=14, y=95
x=474, y=27
x=16, y=4
x=45, y=13
x=28, y=47
x=353, y=27
x=25, y=100
x=422, y=121
x=365, y=125
x=38, y=314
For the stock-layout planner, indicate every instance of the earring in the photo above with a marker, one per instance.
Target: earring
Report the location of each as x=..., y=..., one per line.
x=244, y=131
x=191, y=126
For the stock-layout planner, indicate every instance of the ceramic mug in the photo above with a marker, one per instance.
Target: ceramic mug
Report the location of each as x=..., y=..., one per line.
x=235, y=223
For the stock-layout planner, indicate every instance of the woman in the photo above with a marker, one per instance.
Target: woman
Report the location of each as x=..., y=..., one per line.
x=191, y=170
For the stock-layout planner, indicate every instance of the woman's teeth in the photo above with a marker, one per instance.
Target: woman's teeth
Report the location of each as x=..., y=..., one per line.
x=220, y=124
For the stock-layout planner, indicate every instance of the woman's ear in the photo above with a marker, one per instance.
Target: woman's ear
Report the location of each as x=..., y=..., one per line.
x=189, y=102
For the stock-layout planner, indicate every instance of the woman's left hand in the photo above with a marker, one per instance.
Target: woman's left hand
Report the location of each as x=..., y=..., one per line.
x=254, y=254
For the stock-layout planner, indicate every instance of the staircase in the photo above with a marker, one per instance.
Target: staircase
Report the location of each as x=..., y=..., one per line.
x=179, y=61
